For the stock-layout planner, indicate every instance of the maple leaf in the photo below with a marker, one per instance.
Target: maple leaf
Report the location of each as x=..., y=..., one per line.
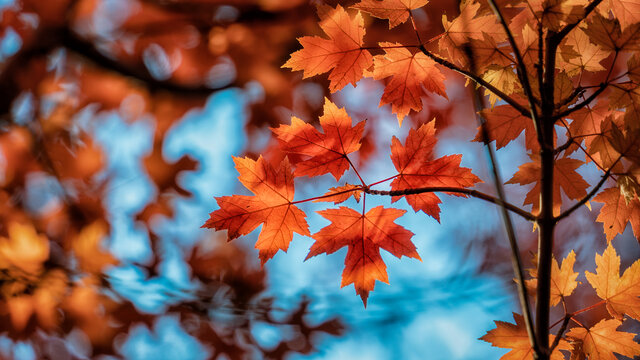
x=488, y=53
x=514, y=337
x=620, y=292
x=24, y=249
x=556, y=13
x=588, y=54
x=364, y=235
x=342, y=53
x=322, y=152
x=396, y=11
x=563, y=279
x=587, y=121
x=411, y=76
x=616, y=213
x=608, y=34
x=341, y=194
x=504, y=124
x=464, y=28
x=503, y=78
x=271, y=206
x=87, y=248
x=417, y=168
x=627, y=96
x=626, y=11
x=602, y=149
x=565, y=178
x=601, y=340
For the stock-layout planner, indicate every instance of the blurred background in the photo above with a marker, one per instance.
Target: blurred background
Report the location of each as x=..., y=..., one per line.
x=118, y=122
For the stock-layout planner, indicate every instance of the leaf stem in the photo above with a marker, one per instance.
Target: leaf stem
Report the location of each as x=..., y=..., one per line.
x=384, y=180
x=364, y=184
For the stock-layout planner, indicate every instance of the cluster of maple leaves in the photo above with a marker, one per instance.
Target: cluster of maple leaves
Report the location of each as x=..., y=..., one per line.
x=503, y=49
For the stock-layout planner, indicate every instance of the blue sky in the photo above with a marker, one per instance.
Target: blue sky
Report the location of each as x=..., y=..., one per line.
x=437, y=306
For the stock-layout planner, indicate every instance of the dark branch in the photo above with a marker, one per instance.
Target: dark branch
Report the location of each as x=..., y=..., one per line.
x=521, y=68
x=563, y=328
x=472, y=193
x=582, y=104
x=567, y=29
x=591, y=194
x=480, y=81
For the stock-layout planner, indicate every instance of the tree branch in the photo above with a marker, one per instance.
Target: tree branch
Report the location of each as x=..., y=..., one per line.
x=567, y=29
x=478, y=80
x=521, y=69
x=546, y=222
x=470, y=192
x=563, y=328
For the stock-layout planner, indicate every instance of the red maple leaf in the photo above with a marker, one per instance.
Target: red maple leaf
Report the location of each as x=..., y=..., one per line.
x=271, y=206
x=326, y=152
x=397, y=11
x=417, y=168
x=412, y=75
x=565, y=178
x=364, y=235
x=617, y=212
x=505, y=124
x=342, y=54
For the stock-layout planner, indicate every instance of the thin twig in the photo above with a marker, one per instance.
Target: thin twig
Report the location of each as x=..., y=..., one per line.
x=516, y=262
x=567, y=29
x=591, y=194
x=469, y=192
x=563, y=328
x=478, y=80
x=521, y=69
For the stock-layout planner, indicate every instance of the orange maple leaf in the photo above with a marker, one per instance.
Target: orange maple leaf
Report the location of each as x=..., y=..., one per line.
x=504, y=78
x=88, y=248
x=396, y=11
x=417, y=168
x=565, y=178
x=587, y=123
x=412, y=75
x=322, y=152
x=24, y=250
x=364, y=235
x=616, y=213
x=505, y=124
x=340, y=194
x=608, y=34
x=626, y=11
x=620, y=292
x=514, y=337
x=342, y=53
x=563, y=279
x=601, y=340
x=271, y=206
x=588, y=56
x=465, y=27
